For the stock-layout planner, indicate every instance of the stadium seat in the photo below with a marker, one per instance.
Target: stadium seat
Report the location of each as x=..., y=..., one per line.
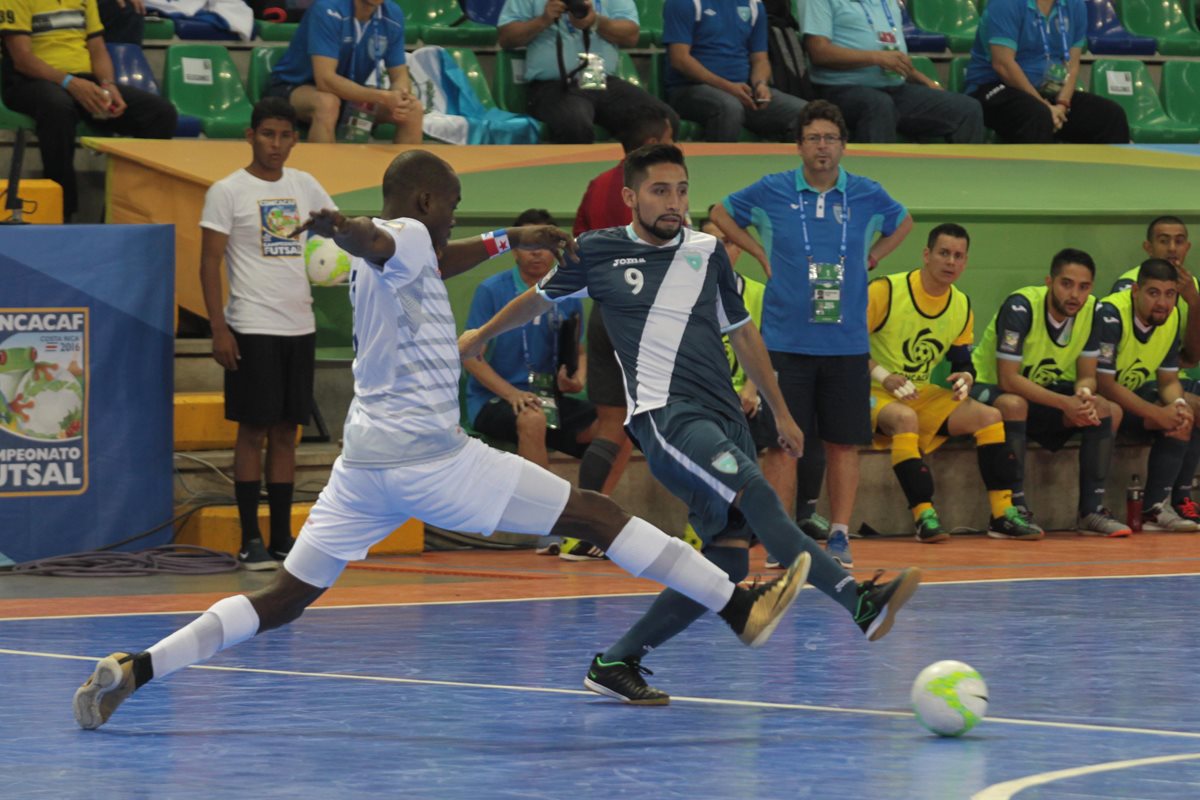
x=276, y=31
x=919, y=41
x=485, y=12
x=258, y=77
x=130, y=68
x=1148, y=122
x=958, y=73
x=201, y=30
x=471, y=67
x=650, y=22
x=443, y=23
x=957, y=20
x=11, y=120
x=158, y=29
x=926, y=67
x=1166, y=21
x=1107, y=36
x=1181, y=91
x=213, y=92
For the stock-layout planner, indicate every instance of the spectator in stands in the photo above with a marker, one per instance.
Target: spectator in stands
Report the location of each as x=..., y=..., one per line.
x=1139, y=371
x=264, y=338
x=1036, y=364
x=57, y=70
x=860, y=63
x=562, y=93
x=1167, y=239
x=124, y=20
x=718, y=74
x=818, y=344
x=1024, y=69
x=518, y=391
x=333, y=70
x=603, y=206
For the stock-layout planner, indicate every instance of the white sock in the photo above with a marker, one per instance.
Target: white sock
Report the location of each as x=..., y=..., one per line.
x=643, y=550
x=225, y=624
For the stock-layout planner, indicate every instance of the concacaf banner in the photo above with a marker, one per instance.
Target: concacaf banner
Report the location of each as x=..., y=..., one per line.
x=86, y=348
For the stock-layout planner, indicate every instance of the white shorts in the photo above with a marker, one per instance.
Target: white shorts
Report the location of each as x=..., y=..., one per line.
x=477, y=490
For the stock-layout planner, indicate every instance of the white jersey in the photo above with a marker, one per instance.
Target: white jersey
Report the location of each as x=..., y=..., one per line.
x=268, y=285
x=406, y=362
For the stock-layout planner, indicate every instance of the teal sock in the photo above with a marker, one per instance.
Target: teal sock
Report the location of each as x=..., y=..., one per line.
x=671, y=612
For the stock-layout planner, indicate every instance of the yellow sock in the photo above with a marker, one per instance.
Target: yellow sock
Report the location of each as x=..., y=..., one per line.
x=904, y=447
x=1000, y=501
x=919, y=509
x=992, y=434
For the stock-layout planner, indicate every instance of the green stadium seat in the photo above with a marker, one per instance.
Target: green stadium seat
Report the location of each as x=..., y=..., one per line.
x=258, y=77
x=222, y=106
x=956, y=19
x=276, y=31
x=650, y=22
x=471, y=67
x=958, y=73
x=158, y=29
x=1148, y=122
x=926, y=67
x=11, y=120
x=443, y=23
x=1167, y=21
x=1181, y=91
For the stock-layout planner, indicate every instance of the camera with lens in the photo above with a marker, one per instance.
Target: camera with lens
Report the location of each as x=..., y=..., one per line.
x=577, y=8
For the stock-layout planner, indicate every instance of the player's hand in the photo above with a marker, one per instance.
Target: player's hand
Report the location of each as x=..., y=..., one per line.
x=1187, y=286
x=522, y=400
x=225, y=349
x=960, y=384
x=89, y=95
x=544, y=237
x=117, y=104
x=471, y=344
x=1080, y=412
x=325, y=222
x=1058, y=115
x=791, y=438
x=762, y=95
x=568, y=384
x=586, y=21
x=751, y=402
x=900, y=387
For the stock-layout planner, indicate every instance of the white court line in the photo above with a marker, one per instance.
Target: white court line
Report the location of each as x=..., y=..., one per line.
x=423, y=603
x=1003, y=791
x=713, y=701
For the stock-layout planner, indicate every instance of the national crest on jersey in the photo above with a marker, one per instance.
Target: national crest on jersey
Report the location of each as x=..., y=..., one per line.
x=1044, y=360
x=665, y=309
x=1137, y=362
x=279, y=218
x=911, y=343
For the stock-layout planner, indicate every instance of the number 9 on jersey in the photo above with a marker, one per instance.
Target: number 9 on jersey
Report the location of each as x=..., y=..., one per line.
x=634, y=278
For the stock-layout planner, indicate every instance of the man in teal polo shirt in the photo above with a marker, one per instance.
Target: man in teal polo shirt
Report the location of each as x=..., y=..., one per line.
x=860, y=63
x=561, y=93
x=818, y=226
x=1024, y=69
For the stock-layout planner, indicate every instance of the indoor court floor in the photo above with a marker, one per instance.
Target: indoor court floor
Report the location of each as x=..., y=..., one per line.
x=459, y=675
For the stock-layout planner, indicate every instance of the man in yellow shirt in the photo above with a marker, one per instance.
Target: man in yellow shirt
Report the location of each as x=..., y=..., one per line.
x=57, y=70
x=915, y=320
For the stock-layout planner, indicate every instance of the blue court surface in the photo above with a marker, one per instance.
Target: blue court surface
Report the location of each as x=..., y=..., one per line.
x=1092, y=684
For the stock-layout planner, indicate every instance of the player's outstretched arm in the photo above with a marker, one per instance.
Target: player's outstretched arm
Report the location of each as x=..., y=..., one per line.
x=461, y=255
x=358, y=236
x=521, y=309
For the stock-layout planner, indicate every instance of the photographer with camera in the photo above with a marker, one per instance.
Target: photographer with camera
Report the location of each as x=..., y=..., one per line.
x=572, y=51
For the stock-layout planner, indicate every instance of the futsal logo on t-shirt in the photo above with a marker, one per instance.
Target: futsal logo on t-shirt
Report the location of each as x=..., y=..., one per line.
x=278, y=219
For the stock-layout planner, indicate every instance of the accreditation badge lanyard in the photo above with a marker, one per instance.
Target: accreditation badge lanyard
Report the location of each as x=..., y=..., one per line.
x=1057, y=72
x=825, y=280
x=543, y=384
x=357, y=117
x=887, y=39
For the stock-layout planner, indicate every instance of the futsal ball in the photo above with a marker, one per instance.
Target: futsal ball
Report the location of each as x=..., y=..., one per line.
x=326, y=263
x=949, y=698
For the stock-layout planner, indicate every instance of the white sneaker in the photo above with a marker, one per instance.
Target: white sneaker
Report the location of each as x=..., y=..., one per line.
x=1162, y=517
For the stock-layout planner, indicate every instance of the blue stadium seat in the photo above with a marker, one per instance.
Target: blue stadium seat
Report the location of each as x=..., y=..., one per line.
x=919, y=41
x=130, y=68
x=1107, y=36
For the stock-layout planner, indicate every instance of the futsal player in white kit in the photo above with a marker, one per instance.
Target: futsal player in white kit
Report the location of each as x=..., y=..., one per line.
x=405, y=455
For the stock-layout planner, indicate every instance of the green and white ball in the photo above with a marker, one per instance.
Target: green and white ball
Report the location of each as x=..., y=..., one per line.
x=50, y=408
x=949, y=698
x=326, y=263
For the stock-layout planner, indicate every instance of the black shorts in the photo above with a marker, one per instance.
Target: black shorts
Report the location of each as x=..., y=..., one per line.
x=1134, y=425
x=281, y=89
x=762, y=428
x=1044, y=424
x=605, y=383
x=274, y=380
x=827, y=394
x=497, y=420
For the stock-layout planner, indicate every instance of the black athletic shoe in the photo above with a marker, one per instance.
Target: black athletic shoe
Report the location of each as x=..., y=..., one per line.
x=879, y=602
x=929, y=528
x=753, y=613
x=254, y=557
x=281, y=553
x=623, y=680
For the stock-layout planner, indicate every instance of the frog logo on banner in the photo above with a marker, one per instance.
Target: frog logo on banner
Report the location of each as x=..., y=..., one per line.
x=44, y=356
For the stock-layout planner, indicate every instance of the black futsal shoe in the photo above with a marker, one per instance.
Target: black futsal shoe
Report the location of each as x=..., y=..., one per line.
x=623, y=680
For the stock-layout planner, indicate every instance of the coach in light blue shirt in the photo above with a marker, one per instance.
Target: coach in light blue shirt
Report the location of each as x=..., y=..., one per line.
x=860, y=63
x=1024, y=68
x=554, y=41
x=718, y=73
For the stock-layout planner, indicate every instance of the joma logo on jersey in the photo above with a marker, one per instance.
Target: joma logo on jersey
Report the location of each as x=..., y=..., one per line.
x=920, y=353
x=620, y=262
x=1044, y=373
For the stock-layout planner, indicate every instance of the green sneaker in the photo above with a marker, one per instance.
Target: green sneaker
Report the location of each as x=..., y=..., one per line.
x=1013, y=525
x=878, y=603
x=929, y=528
